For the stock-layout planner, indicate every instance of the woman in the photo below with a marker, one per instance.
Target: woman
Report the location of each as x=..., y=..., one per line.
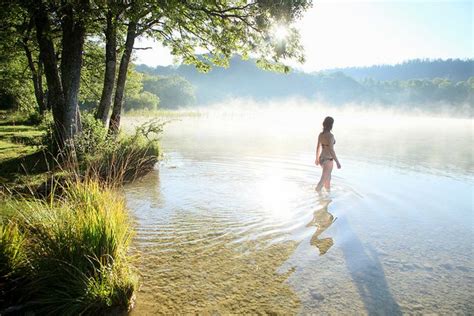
x=326, y=141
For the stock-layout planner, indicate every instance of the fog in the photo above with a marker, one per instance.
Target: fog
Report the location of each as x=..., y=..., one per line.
x=409, y=138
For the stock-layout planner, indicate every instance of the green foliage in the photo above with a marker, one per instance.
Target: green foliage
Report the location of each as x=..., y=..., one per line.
x=16, y=87
x=134, y=85
x=12, y=250
x=92, y=74
x=114, y=159
x=173, y=91
x=224, y=28
x=34, y=118
x=243, y=79
x=126, y=158
x=93, y=139
x=72, y=251
x=143, y=101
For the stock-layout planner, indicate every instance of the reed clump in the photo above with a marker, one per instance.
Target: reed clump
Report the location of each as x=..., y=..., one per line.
x=113, y=159
x=67, y=255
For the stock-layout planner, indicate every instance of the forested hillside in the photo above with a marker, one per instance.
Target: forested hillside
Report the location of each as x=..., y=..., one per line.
x=427, y=84
x=452, y=69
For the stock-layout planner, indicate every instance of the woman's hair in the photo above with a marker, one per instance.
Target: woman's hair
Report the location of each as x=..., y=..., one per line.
x=327, y=124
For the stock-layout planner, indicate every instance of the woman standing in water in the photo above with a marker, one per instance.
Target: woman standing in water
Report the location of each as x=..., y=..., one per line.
x=326, y=141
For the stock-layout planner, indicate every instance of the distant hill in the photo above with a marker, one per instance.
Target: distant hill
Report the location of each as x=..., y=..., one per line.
x=452, y=69
x=241, y=79
x=419, y=82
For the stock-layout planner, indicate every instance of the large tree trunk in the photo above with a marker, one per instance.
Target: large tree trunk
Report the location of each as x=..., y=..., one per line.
x=110, y=68
x=73, y=35
x=122, y=78
x=50, y=62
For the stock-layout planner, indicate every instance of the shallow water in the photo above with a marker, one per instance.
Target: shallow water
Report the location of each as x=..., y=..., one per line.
x=230, y=223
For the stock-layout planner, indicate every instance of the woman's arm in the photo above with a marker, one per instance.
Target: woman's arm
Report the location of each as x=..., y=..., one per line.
x=316, y=161
x=332, y=152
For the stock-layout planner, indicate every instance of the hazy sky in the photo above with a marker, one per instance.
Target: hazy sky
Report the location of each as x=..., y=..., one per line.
x=340, y=33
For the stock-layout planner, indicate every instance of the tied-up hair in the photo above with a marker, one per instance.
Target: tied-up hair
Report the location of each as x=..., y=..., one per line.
x=327, y=124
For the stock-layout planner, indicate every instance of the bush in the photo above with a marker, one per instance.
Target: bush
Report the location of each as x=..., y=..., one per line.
x=116, y=159
x=73, y=251
x=93, y=139
x=34, y=118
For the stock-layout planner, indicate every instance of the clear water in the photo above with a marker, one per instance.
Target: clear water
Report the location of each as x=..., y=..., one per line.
x=230, y=223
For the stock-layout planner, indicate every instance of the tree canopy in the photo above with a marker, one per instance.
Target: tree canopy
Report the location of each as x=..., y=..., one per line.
x=80, y=50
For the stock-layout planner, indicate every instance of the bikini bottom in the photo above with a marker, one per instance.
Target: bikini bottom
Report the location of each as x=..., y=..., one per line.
x=324, y=159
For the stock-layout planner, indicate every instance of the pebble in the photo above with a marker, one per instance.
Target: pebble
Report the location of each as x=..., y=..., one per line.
x=317, y=296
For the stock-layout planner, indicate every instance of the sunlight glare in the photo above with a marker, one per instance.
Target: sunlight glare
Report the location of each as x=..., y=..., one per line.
x=280, y=32
x=277, y=195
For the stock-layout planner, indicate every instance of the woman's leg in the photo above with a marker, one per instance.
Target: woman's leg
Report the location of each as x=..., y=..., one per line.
x=327, y=182
x=327, y=168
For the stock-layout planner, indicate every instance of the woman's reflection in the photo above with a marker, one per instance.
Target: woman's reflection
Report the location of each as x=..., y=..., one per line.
x=322, y=219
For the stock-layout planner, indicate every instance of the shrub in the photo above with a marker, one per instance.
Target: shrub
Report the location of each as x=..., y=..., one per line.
x=34, y=118
x=92, y=141
x=113, y=159
x=116, y=159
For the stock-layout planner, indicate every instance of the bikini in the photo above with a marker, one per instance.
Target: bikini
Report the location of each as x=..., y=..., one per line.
x=324, y=159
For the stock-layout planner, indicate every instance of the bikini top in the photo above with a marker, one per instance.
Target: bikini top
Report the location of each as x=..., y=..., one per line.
x=324, y=145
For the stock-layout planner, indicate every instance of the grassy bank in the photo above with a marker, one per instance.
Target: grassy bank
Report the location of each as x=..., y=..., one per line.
x=63, y=249
x=67, y=255
x=21, y=159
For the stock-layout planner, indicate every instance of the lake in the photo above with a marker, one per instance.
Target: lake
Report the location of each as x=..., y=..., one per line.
x=229, y=222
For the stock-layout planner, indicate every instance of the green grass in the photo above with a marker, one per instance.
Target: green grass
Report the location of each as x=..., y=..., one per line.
x=18, y=140
x=71, y=252
x=66, y=253
x=21, y=160
x=26, y=167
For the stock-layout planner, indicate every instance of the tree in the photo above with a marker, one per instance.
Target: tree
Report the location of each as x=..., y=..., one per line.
x=114, y=11
x=142, y=101
x=63, y=79
x=221, y=28
x=16, y=43
x=173, y=91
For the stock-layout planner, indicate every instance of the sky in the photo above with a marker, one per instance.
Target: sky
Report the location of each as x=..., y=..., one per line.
x=344, y=33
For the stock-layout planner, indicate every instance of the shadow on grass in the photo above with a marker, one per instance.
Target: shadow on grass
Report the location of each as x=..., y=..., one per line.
x=26, y=174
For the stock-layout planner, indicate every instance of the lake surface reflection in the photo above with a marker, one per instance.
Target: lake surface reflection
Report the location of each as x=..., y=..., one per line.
x=230, y=223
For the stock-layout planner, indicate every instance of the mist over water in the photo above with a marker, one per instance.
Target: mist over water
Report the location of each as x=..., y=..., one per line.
x=230, y=223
